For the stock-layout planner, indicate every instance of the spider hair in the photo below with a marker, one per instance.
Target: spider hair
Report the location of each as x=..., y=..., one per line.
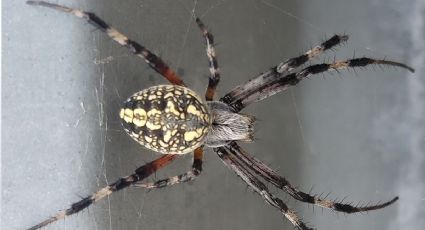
x=228, y=125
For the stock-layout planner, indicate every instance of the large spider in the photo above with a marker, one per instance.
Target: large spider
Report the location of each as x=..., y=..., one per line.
x=174, y=120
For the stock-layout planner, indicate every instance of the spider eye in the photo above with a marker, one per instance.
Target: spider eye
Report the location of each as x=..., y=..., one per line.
x=166, y=119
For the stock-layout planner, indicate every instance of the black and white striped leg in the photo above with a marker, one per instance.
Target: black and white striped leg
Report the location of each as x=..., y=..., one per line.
x=150, y=58
x=282, y=83
x=289, y=65
x=282, y=68
x=140, y=174
x=185, y=177
x=212, y=60
x=280, y=182
x=259, y=187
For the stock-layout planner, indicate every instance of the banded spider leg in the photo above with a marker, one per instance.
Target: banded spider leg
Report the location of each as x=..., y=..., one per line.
x=214, y=79
x=156, y=64
x=283, y=82
x=283, y=68
x=139, y=174
x=269, y=175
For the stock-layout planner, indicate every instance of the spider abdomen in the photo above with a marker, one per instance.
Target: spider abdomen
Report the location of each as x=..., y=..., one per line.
x=169, y=119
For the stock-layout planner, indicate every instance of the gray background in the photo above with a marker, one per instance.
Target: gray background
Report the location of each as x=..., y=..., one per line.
x=359, y=135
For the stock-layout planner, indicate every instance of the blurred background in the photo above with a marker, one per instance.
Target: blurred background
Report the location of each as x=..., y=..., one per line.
x=358, y=135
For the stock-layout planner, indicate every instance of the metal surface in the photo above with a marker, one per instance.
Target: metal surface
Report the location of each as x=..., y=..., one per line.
x=358, y=134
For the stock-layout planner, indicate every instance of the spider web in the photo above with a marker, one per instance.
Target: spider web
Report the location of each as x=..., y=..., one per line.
x=302, y=141
x=358, y=133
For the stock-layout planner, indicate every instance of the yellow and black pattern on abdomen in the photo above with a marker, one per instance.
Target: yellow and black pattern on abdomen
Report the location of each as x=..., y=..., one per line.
x=166, y=119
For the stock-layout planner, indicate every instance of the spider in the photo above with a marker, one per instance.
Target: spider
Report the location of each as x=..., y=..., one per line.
x=173, y=120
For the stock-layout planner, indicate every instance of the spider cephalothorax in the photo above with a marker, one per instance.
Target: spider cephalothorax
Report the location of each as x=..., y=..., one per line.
x=173, y=120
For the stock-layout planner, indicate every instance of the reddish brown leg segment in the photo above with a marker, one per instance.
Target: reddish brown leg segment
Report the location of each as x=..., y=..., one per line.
x=185, y=177
x=124, y=182
x=150, y=58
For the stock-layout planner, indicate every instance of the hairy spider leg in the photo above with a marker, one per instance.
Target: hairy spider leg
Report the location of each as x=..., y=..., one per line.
x=283, y=68
x=124, y=182
x=150, y=58
x=280, y=182
x=209, y=96
x=282, y=83
x=243, y=172
x=182, y=178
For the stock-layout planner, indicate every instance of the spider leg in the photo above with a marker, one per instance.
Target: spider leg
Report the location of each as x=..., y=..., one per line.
x=184, y=177
x=150, y=58
x=209, y=96
x=124, y=182
x=282, y=68
x=212, y=60
x=260, y=188
x=272, y=177
x=283, y=82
